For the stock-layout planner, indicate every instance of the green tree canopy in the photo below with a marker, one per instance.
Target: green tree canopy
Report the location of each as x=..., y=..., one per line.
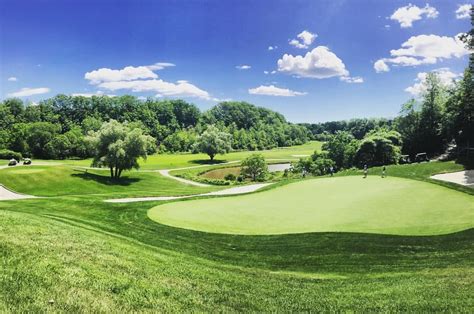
x=119, y=147
x=213, y=142
x=254, y=167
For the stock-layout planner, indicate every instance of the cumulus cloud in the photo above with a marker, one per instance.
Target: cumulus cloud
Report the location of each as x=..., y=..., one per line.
x=381, y=66
x=128, y=73
x=12, y=79
x=463, y=11
x=272, y=90
x=180, y=88
x=408, y=14
x=423, y=49
x=319, y=63
x=446, y=77
x=269, y=72
x=25, y=92
x=272, y=47
x=351, y=80
x=303, y=40
x=243, y=67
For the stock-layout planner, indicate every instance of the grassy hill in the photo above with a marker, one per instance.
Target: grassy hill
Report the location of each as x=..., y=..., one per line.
x=78, y=253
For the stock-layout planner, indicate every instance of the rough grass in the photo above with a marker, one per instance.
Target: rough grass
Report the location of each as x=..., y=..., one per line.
x=91, y=256
x=221, y=173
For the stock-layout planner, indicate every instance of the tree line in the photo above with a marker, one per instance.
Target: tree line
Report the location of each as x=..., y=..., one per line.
x=57, y=127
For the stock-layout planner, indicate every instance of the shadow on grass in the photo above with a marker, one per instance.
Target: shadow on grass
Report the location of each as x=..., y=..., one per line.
x=105, y=180
x=208, y=161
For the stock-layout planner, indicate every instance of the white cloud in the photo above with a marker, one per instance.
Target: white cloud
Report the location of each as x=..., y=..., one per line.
x=160, y=66
x=179, y=89
x=12, y=79
x=408, y=14
x=98, y=93
x=381, y=66
x=387, y=26
x=423, y=49
x=24, y=92
x=305, y=39
x=243, y=67
x=445, y=76
x=319, y=63
x=354, y=79
x=272, y=47
x=269, y=72
x=272, y=90
x=463, y=11
x=128, y=73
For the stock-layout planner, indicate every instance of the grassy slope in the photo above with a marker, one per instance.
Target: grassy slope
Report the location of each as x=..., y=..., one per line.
x=344, y=204
x=65, y=180
x=93, y=256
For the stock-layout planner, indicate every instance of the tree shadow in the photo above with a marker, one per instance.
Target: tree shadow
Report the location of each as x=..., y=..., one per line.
x=466, y=161
x=103, y=179
x=207, y=161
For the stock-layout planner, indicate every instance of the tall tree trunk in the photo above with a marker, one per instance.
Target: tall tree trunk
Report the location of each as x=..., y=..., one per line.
x=212, y=157
x=119, y=173
x=116, y=172
x=111, y=172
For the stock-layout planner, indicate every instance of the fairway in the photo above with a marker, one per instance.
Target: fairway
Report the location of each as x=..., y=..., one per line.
x=344, y=204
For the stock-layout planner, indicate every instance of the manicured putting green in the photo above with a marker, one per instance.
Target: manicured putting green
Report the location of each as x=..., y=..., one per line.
x=342, y=204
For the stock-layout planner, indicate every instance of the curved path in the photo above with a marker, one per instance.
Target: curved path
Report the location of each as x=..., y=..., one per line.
x=6, y=194
x=231, y=191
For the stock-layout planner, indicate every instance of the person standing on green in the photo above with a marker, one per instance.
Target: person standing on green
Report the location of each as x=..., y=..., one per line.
x=365, y=171
x=383, y=172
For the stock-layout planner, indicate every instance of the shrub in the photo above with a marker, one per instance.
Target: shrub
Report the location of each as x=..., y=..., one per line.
x=9, y=154
x=230, y=177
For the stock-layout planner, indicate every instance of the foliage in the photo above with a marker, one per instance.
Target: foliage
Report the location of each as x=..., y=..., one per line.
x=318, y=164
x=173, y=124
x=9, y=154
x=119, y=147
x=254, y=167
x=341, y=148
x=213, y=142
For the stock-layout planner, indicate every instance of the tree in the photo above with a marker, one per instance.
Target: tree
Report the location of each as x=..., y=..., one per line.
x=213, y=142
x=254, y=167
x=119, y=147
x=341, y=149
x=379, y=148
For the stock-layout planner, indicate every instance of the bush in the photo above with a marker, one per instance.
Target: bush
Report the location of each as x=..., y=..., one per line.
x=9, y=154
x=230, y=177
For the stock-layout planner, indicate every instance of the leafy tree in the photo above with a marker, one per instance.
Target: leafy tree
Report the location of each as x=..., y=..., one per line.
x=213, y=142
x=379, y=148
x=341, y=149
x=119, y=147
x=254, y=167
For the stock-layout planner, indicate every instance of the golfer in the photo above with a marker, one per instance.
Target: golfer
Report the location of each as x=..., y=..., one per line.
x=383, y=171
x=331, y=171
x=365, y=171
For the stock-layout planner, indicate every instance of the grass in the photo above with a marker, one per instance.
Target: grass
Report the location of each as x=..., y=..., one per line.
x=172, y=161
x=221, y=173
x=65, y=180
x=91, y=256
x=345, y=204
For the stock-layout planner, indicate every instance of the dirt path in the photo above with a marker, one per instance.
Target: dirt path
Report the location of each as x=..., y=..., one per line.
x=465, y=178
x=231, y=191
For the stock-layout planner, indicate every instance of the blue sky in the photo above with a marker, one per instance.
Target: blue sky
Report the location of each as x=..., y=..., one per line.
x=331, y=59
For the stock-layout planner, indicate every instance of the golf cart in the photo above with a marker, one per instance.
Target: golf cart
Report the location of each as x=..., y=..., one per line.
x=405, y=159
x=12, y=162
x=27, y=161
x=420, y=157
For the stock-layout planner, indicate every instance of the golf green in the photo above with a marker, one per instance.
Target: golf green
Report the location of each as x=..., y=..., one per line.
x=342, y=204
